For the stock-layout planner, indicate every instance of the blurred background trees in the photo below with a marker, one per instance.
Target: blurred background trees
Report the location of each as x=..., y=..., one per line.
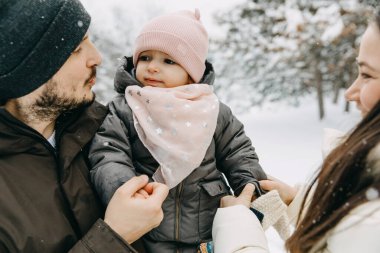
x=277, y=50
x=270, y=51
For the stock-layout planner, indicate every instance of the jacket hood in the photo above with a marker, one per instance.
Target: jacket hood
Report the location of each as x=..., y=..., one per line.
x=125, y=75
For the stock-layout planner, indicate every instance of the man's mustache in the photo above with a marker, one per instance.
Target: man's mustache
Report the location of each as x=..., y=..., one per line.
x=93, y=75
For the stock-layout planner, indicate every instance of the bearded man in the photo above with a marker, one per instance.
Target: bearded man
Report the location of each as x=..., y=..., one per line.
x=48, y=115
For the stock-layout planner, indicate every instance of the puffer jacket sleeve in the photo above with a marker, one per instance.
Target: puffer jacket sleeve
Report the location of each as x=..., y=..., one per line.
x=101, y=239
x=235, y=155
x=110, y=153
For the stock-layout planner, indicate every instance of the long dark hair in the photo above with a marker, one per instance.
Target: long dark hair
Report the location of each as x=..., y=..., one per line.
x=342, y=182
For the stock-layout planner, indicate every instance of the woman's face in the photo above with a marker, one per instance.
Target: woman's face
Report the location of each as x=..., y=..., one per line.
x=365, y=90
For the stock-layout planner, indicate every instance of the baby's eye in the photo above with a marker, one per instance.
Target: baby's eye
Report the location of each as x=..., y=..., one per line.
x=168, y=61
x=144, y=58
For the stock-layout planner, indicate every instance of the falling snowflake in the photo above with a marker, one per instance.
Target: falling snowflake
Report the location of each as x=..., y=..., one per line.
x=188, y=124
x=372, y=194
x=80, y=23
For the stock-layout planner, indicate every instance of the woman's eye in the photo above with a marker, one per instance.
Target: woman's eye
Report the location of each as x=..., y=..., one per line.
x=168, y=61
x=144, y=58
x=365, y=76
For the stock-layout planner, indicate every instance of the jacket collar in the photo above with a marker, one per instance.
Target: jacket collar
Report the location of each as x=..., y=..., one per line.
x=81, y=122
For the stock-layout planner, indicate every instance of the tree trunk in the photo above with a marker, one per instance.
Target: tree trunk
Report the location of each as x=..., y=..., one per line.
x=347, y=107
x=319, y=84
x=336, y=92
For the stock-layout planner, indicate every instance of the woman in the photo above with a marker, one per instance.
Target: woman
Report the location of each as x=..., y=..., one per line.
x=340, y=210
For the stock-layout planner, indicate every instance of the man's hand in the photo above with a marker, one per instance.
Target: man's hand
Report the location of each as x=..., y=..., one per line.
x=245, y=198
x=135, y=208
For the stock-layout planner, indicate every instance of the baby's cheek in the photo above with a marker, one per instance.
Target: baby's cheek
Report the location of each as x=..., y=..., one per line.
x=370, y=95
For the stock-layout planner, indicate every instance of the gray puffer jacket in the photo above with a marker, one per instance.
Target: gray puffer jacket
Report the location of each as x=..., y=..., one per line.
x=117, y=154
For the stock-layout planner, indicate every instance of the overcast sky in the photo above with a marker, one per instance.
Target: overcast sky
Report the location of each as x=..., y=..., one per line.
x=139, y=9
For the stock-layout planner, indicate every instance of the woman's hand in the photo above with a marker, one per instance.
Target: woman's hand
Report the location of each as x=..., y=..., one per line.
x=245, y=198
x=287, y=192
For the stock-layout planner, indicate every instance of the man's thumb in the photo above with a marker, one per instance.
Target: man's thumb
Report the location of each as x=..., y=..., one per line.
x=134, y=184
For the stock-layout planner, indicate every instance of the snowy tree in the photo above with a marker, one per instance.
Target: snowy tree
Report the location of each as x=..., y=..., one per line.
x=283, y=49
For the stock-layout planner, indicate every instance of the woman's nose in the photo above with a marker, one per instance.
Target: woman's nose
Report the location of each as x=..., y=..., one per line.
x=353, y=92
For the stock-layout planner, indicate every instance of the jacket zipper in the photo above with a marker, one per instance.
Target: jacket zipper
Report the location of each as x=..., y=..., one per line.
x=178, y=211
x=69, y=213
x=55, y=152
x=27, y=130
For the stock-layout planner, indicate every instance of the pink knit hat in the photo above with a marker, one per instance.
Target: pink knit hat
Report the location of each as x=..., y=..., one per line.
x=180, y=35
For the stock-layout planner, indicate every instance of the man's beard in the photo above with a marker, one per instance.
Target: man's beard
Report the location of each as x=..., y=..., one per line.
x=51, y=103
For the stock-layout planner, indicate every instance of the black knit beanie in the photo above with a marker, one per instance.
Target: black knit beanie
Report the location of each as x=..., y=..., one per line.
x=36, y=39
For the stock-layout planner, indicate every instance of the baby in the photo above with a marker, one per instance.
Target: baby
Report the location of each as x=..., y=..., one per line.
x=167, y=123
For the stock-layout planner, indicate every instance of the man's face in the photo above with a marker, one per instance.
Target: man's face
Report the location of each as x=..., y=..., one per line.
x=75, y=79
x=69, y=88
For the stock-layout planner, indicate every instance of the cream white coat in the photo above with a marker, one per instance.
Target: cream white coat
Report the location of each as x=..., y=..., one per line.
x=236, y=229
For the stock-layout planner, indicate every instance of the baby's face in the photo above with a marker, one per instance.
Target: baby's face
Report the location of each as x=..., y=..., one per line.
x=157, y=69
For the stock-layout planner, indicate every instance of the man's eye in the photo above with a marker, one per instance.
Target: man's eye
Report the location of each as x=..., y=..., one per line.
x=144, y=58
x=168, y=61
x=76, y=51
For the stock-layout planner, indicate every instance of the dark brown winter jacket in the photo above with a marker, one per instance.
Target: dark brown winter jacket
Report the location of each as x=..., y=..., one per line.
x=117, y=154
x=46, y=201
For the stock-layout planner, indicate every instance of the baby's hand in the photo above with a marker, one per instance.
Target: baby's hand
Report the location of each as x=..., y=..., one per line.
x=287, y=192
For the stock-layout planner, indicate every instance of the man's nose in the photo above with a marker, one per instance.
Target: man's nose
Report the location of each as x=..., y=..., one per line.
x=95, y=58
